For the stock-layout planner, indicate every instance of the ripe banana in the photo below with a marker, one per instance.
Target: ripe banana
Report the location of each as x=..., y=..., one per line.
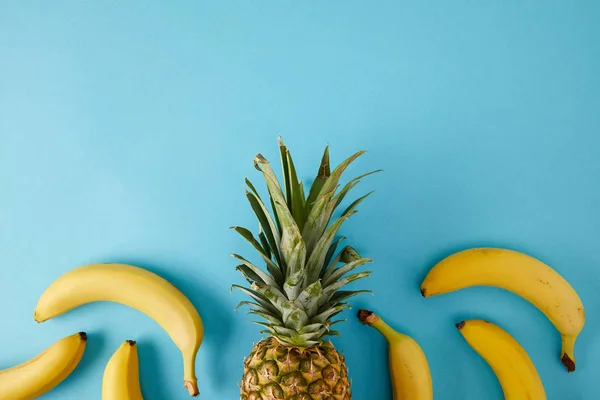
x=137, y=288
x=43, y=372
x=121, y=379
x=520, y=274
x=509, y=361
x=409, y=369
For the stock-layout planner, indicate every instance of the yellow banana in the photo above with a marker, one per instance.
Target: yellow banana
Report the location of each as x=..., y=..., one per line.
x=137, y=288
x=121, y=379
x=409, y=369
x=509, y=361
x=521, y=274
x=43, y=372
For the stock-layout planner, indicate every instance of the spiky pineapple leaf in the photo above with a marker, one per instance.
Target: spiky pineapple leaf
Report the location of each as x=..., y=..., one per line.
x=286, y=172
x=349, y=254
x=309, y=297
x=270, y=318
x=273, y=269
x=252, y=188
x=280, y=330
x=257, y=307
x=333, y=179
x=267, y=224
x=264, y=277
x=322, y=175
x=332, y=323
x=310, y=328
x=313, y=335
x=265, y=243
x=271, y=294
x=341, y=271
x=346, y=294
x=297, y=259
x=290, y=234
x=355, y=203
x=324, y=316
x=317, y=258
x=260, y=299
x=249, y=274
x=327, y=262
x=293, y=285
x=342, y=193
x=331, y=289
x=323, y=210
x=297, y=192
x=294, y=317
x=317, y=221
x=303, y=197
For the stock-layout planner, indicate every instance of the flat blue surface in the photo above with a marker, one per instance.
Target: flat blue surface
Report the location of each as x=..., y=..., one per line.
x=126, y=131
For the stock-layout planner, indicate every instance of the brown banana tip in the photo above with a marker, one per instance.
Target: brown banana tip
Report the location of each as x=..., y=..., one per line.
x=192, y=388
x=423, y=292
x=131, y=342
x=460, y=325
x=568, y=363
x=363, y=315
x=366, y=317
x=83, y=336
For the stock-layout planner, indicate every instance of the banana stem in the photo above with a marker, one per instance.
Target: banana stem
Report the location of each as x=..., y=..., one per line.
x=189, y=377
x=568, y=352
x=369, y=318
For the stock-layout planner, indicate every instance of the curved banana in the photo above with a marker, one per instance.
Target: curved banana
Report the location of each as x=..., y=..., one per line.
x=509, y=361
x=137, y=288
x=43, y=372
x=521, y=274
x=122, y=376
x=409, y=369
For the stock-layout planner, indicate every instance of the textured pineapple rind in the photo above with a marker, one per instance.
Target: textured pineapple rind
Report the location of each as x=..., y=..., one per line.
x=274, y=371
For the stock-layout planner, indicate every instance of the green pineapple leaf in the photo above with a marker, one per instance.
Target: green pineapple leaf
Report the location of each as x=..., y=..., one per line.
x=297, y=259
x=342, y=193
x=294, y=317
x=286, y=172
x=290, y=234
x=265, y=243
x=309, y=297
x=264, y=277
x=249, y=274
x=311, y=328
x=317, y=221
x=322, y=175
x=329, y=313
x=272, y=294
x=273, y=269
x=260, y=299
x=330, y=253
x=330, y=290
x=267, y=224
x=257, y=307
x=346, y=294
x=293, y=285
x=297, y=192
x=270, y=318
x=341, y=271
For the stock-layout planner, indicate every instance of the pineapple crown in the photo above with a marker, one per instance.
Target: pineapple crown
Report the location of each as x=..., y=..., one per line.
x=298, y=293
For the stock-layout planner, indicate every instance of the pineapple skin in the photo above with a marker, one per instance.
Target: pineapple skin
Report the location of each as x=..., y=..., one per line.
x=273, y=371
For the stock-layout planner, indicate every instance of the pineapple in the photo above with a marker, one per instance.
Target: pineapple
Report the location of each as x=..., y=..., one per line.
x=299, y=293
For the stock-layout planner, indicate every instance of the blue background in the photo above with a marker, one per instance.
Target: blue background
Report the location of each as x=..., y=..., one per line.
x=126, y=131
